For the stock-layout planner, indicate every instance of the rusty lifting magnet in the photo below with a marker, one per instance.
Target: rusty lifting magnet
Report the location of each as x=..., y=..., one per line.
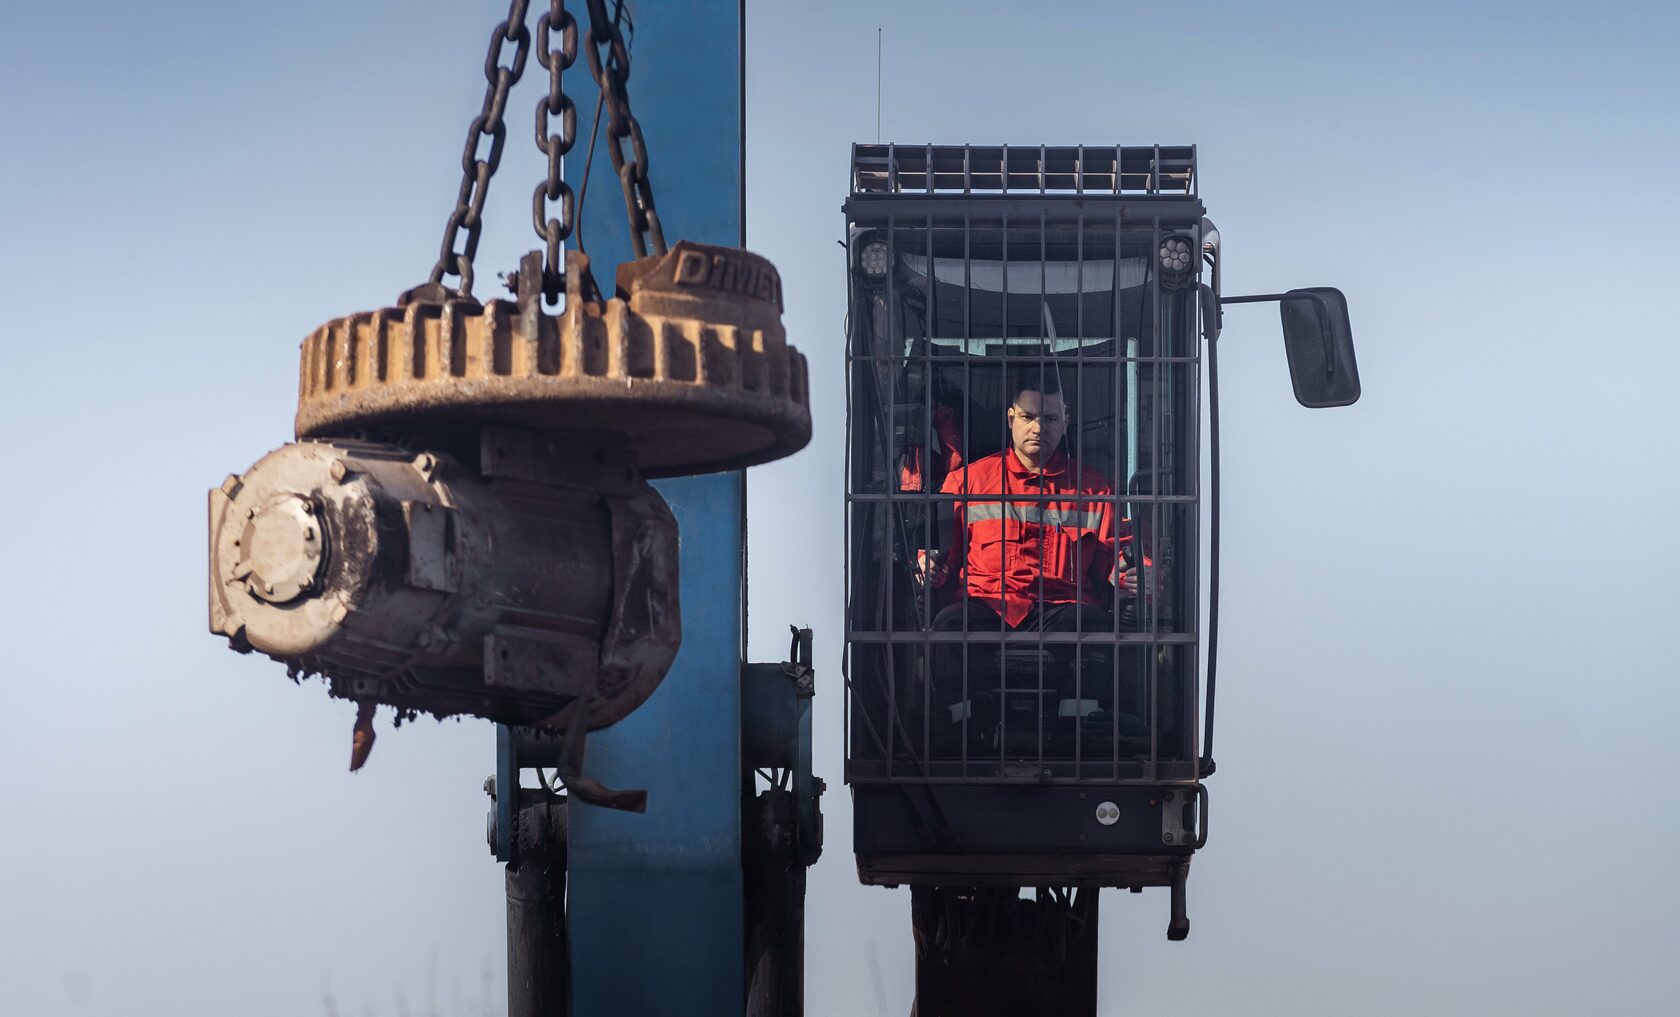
x=465, y=525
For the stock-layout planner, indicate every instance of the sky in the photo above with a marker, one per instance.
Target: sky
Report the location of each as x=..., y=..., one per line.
x=1446, y=770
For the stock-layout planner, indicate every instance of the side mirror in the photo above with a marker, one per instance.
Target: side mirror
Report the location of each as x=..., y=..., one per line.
x=1319, y=342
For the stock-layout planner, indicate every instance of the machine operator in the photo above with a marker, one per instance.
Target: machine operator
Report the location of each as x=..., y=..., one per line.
x=1040, y=547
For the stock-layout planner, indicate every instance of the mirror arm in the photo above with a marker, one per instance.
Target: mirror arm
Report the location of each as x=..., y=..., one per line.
x=1257, y=298
x=1323, y=306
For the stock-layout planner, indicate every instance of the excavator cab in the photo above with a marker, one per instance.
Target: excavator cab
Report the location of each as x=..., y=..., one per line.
x=1060, y=749
x=1029, y=711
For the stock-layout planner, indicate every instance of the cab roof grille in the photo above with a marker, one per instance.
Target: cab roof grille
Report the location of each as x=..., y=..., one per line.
x=1001, y=169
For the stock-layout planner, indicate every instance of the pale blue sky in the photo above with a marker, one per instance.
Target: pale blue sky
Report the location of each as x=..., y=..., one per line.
x=1447, y=773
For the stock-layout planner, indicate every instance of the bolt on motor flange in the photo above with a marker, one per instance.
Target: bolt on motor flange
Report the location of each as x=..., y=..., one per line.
x=689, y=362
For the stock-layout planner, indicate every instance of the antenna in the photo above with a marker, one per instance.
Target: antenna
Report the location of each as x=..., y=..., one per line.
x=877, y=85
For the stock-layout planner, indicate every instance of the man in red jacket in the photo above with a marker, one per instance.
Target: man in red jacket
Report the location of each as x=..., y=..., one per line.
x=1037, y=535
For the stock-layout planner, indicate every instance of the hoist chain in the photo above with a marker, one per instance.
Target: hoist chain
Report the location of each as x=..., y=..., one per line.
x=609, y=63
x=555, y=231
x=476, y=172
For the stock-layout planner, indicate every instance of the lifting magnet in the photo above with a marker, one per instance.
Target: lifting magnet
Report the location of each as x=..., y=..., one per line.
x=688, y=362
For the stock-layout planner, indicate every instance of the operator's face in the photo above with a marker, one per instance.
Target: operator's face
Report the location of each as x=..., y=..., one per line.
x=1036, y=425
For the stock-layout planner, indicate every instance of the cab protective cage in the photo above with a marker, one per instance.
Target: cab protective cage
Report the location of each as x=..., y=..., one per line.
x=980, y=753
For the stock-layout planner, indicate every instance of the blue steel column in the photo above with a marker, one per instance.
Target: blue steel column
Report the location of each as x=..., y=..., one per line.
x=656, y=900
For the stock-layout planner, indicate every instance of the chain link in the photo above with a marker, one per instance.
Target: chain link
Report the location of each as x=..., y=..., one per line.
x=554, y=231
x=609, y=64
x=476, y=172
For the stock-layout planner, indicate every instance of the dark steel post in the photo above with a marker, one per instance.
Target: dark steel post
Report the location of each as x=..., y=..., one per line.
x=775, y=906
x=991, y=953
x=537, y=961
x=1178, y=925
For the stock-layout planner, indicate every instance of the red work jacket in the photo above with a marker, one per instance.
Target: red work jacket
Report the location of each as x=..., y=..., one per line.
x=1008, y=540
x=943, y=453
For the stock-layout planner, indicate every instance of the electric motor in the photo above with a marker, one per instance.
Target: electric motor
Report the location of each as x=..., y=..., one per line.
x=538, y=578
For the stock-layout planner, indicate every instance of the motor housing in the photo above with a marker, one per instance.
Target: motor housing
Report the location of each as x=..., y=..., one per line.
x=522, y=580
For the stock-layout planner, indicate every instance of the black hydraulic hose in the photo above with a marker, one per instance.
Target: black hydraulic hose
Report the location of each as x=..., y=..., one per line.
x=1207, y=765
x=1206, y=761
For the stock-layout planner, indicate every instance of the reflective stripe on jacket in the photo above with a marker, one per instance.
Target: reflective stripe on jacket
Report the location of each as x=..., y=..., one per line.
x=1009, y=544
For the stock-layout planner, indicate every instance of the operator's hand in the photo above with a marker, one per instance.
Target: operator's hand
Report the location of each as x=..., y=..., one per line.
x=930, y=568
x=1126, y=580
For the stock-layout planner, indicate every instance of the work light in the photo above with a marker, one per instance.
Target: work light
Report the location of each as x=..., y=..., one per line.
x=874, y=259
x=1178, y=261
